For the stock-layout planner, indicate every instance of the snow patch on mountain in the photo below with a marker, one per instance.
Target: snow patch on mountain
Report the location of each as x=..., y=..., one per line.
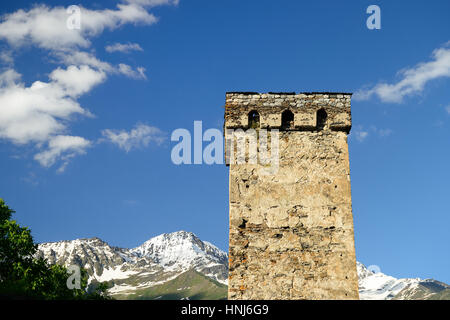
x=109, y=274
x=378, y=286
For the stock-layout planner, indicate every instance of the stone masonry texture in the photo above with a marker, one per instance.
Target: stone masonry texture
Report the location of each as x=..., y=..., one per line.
x=291, y=233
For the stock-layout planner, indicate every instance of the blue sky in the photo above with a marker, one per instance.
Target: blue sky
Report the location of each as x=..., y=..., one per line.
x=85, y=151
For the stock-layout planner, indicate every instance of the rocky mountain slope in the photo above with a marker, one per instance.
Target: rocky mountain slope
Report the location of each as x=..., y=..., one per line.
x=180, y=266
x=190, y=285
x=157, y=261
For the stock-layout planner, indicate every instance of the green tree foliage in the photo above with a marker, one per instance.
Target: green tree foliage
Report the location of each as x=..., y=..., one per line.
x=22, y=276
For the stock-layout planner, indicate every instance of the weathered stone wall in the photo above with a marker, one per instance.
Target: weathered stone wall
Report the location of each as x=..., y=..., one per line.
x=291, y=233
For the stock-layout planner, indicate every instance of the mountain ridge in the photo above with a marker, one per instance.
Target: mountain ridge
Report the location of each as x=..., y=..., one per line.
x=164, y=261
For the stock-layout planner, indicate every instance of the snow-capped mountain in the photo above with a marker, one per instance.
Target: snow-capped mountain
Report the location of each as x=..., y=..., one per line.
x=180, y=261
x=183, y=251
x=378, y=286
x=155, y=262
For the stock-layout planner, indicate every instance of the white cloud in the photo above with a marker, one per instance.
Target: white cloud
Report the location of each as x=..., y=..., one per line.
x=129, y=72
x=62, y=147
x=31, y=179
x=46, y=27
x=81, y=57
x=384, y=132
x=37, y=112
x=361, y=133
x=123, y=47
x=7, y=58
x=413, y=80
x=9, y=77
x=40, y=113
x=77, y=80
x=140, y=136
x=447, y=109
x=74, y=57
x=153, y=3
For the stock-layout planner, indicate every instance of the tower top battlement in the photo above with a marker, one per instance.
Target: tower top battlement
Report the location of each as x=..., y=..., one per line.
x=289, y=110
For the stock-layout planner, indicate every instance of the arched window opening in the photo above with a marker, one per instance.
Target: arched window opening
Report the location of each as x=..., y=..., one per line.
x=287, y=119
x=321, y=119
x=253, y=119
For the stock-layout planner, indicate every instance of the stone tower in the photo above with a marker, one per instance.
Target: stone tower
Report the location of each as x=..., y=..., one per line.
x=291, y=232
